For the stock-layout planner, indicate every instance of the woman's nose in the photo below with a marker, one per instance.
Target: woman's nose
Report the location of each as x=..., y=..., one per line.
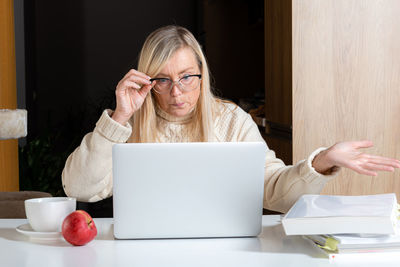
x=176, y=90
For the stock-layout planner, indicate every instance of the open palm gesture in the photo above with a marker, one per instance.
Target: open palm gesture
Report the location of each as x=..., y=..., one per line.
x=348, y=155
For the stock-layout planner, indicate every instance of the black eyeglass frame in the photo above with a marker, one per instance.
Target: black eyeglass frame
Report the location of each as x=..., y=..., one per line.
x=178, y=81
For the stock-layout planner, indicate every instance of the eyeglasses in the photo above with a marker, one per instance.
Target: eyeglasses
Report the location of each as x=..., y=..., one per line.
x=186, y=84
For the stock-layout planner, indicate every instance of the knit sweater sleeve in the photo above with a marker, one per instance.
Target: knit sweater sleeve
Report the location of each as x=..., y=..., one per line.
x=87, y=174
x=283, y=185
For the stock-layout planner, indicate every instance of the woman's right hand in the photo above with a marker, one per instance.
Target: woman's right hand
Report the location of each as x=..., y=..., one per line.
x=130, y=94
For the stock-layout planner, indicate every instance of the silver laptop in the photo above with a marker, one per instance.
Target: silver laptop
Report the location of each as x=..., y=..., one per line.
x=188, y=190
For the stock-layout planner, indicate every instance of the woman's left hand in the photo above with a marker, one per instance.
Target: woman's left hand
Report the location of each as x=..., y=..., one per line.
x=347, y=154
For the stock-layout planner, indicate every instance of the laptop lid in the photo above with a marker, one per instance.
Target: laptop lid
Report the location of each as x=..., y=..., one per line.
x=188, y=190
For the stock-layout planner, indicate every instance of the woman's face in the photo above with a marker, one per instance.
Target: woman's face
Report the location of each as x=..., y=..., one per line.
x=177, y=102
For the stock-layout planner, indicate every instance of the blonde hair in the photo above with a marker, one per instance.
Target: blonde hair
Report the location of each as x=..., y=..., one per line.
x=158, y=48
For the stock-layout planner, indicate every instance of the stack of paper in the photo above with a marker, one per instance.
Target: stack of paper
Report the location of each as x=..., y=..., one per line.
x=325, y=214
x=348, y=243
x=347, y=226
x=337, y=246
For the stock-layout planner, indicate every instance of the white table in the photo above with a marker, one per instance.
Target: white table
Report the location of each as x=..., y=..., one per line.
x=271, y=248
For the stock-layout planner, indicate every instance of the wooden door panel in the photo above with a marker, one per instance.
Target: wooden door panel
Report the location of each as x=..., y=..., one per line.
x=9, y=179
x=278, y=61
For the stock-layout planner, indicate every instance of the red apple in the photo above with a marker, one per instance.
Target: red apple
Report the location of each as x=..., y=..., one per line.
x=78, y=228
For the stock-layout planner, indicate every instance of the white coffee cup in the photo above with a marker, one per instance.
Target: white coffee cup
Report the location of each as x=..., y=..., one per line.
x=47, y=214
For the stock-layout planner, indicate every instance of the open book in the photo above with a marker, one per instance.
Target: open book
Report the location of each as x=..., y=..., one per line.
x=327, y=214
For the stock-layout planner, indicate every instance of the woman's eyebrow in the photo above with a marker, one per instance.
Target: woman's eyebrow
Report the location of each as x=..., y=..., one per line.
x=183, y=71
x=186, y=70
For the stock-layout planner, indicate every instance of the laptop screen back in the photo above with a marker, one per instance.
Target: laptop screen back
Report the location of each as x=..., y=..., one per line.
x=188, y=190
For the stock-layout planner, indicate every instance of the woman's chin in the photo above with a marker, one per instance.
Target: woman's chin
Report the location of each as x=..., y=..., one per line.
x=179, y=112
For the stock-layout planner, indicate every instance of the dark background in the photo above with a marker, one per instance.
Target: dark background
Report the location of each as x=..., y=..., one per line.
x=75, y=52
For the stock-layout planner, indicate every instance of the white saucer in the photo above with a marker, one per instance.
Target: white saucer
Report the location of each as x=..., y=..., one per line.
x=26, y=229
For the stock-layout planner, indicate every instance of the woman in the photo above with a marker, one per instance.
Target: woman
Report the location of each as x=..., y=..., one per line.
x=168, y=99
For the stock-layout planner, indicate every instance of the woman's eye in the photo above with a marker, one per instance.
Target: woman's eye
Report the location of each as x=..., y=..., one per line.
x=186, y=78
x=163, y=80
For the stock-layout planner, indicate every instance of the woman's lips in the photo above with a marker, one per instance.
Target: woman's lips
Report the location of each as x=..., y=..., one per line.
x=178, y=105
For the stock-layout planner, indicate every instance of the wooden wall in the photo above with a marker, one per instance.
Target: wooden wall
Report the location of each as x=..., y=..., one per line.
x=346, y=83
x=9, y=179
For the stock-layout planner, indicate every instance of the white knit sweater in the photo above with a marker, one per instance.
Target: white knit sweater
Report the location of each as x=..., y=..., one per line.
x=88, y=171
